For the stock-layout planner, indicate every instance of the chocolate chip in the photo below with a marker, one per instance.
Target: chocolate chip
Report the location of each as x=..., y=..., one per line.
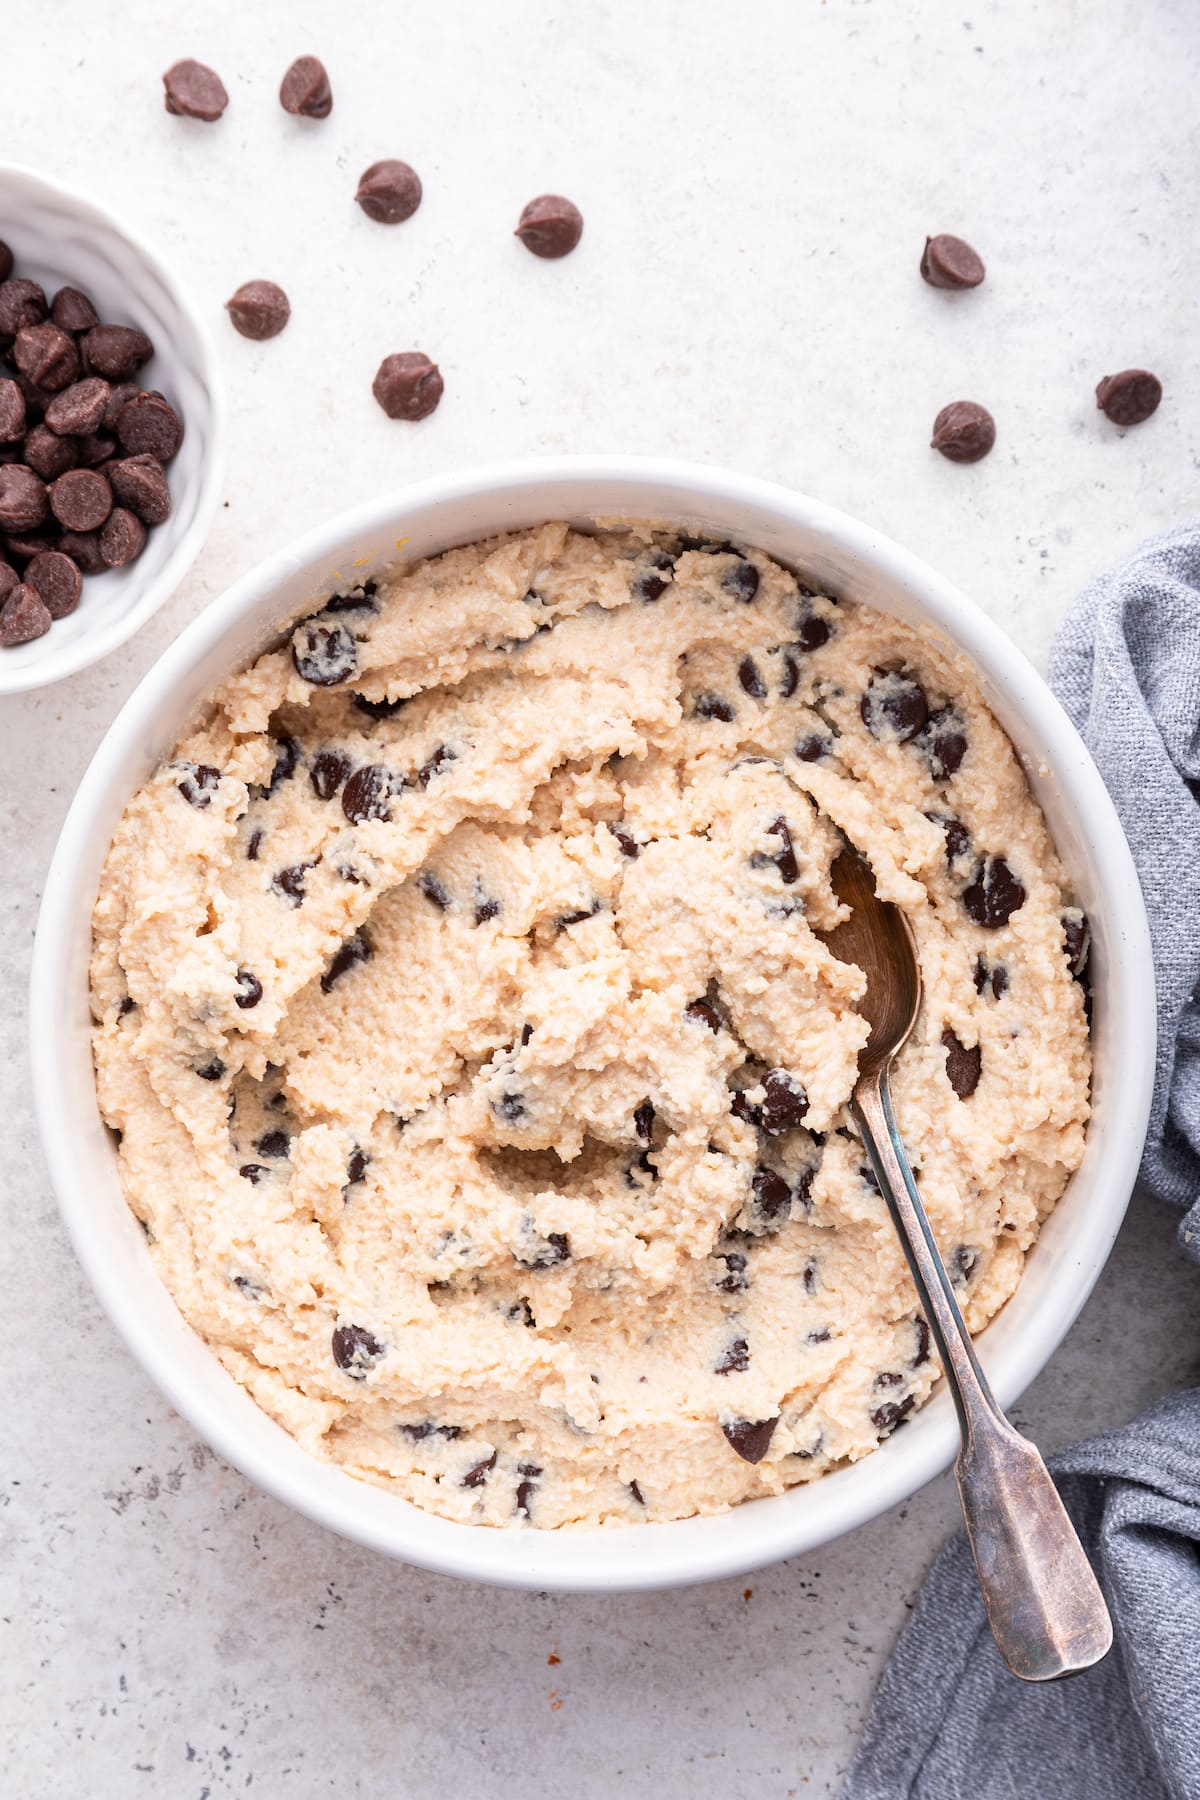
x=254, y=844
x=742, y=1107
x=117, y=352
x=79, y=409
x=22, y=546
x=73, y=311
x=47, y=356
x=564, y=921
x=47, y=454
x=741, y=581
x=821, y=1336
x=330, y=768
x=408, y=385
x=813, y=748
x=1077, y=937
x=57, y=580
x=735, y=1360
x=305, y=89
x=249, y=990
x=997, y=975
x=785, y=1104
x=140, y=483
x=958, y=838
x=274, y=1144
x=389, y=192
x=356, y=1350
x=785, y=857
x=427, y=1429
x=478, y=1475
x=1130, y=397
x=550, y=226
x=712, y=706
x=947, y=262
x=122, y=538
x=529, y=1473
x=12, y=412
x=636, y=1493
x=510, y=1107
x=963, y=1265
x=921, y=1351
x=377, y=709
x=368, y=793
x=894, y=708
x=259, y=309
x=964, y=432
x=356, y=1168
x=812, y=632
x=963, y=1066
x=750, y=678
x=194, y=91
x=96, y=448
x=734, y=1279
x=6, y=261
x=81, y=499
x=253, y=1173
x=23, y=617
x=22, y=303
x=287, y=757
x=212, y=1070
x=324, y=654
x=549, y=1252
x=437, y=764
x=771, y=1193
x=750, y=1437
x=356, y=949
x=148, y=425
x=289, y=882
x=485, y=910
x=9, y=581
x=120, y=393
x=23, y=500
x=994, y=895
x=643, y=1120
x=702, y=1011
x=83, y=548
x=654, y=582
x=944, y=742
x=433, y=890
x=886, y=1417
x=199, y=783
x=627, y=845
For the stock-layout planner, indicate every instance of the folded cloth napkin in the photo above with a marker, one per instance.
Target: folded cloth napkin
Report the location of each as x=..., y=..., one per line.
x=949, y=1722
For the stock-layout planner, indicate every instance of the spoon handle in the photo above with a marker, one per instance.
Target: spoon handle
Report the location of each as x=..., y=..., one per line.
x=1043, y=1602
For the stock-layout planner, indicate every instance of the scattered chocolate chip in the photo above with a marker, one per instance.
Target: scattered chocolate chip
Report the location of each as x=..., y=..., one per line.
x=23, y=617
x=478, y=1475
x=356, y=1350
x=259, y=309
x=22, y=303
x=389, y=192
x=47, y=454
x=253, y=1173
x=194, y=91
x=290, y=882
x=963, y=1265
x=1130, y=397
x=771, y=1193
x=57, y=580
x=785, y=1104
x=212, y=1070
x=705, y=1013
x=12, y=412
x=994, y=895
x=140, y=483
x=921, y=1350
x=408, y=385
x=81, y=499
x=433, y=889
x=741, y=581
x=963, y=1066
x=305, y=89
x=712, y=706
x=894, y=708
x=79, y=409
x=249, y=990
x=324, y=654
x=199, y=784
x=944, y=742
x=948, y=262
x=117, y=352
x=122, y=537
x=813, y=748
x=550, y=226
x=23, y=500
x=750, y=678
x=83, y=548
x=356, y=949
x=368, y=793
x=964, y=432
x=627, y=845
x=785, y=857
x=148, y=425
x=735, y=1360
x=886, y=1417
x=46, y=355
x=734, y=1279
x=750, y=1437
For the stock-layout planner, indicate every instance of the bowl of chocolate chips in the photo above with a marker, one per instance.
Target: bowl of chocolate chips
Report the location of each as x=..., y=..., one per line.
x=111, y=431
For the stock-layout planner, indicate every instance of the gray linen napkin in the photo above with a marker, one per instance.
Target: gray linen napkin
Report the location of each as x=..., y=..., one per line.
x=949, y=1722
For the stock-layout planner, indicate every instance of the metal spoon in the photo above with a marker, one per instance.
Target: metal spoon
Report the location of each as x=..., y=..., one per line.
x=1043, y=1602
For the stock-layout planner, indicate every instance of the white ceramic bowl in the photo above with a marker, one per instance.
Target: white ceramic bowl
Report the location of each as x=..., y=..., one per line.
x=830, y=550
x=61, y=238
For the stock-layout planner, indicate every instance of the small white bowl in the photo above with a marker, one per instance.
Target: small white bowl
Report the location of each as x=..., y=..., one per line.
x=831, y=551
x=61, y=238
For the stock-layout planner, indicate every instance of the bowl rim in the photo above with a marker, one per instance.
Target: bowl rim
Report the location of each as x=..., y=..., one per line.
x=92, y=647
x=506, y=1558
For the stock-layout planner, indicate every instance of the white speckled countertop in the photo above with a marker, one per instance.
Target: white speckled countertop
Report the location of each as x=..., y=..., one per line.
x=757, y=184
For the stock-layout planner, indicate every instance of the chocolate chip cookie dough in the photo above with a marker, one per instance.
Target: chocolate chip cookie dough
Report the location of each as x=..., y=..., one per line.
x=480, y=1075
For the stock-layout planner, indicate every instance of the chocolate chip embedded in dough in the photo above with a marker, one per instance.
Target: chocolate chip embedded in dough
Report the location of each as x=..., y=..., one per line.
x=750, y=678
x=368, y=793
x=785, y=1104
x=741, y=581
x=813, y=748
x=329, y=770
x=921, y=1348
x=771, y=1193
x=287, y=757
x=478, y=1474
x=289, y=882
x=705, y=1014
x=733, y=1281
x=963, y=1264
x=963, y=1066
x=994, y=895
x=785, y=857
x=643, y=1120
x=274, y=1144
x=885, y=1418
x=894, y=707
x=356, y=949
x=944, y=742
x=356, y=1350
x=1077, y=937
x=249, y=990
x=735, y=1358
x=750, y=1438
x=324, y=655
x=436, y=764
x=211, y=1070
x=200, y=781
x=356, y=1168
x=434, y=890
x=712, y=706
x=626, y=843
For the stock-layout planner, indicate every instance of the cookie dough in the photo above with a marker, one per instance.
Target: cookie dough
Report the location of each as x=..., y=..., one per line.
x=481, y=1075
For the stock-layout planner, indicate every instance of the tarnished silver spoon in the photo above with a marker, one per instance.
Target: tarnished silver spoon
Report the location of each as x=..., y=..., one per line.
x=1043, y=1602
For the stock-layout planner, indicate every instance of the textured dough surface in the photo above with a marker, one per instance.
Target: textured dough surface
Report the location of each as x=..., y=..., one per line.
x=480, y=1076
